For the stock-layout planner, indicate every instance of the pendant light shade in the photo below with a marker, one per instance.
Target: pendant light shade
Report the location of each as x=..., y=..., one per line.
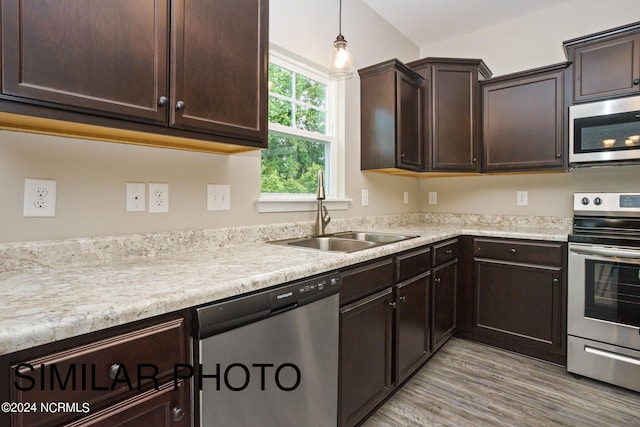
x=341, y=59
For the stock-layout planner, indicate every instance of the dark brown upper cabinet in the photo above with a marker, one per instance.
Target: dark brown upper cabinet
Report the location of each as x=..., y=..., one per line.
x=451, y=112
x=183, y=69
x=391, y=132
x=524, y=121
x=106, y=56
x=605, y=64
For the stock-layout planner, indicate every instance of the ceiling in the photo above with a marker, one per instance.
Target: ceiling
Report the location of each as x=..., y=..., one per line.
x=428, y=21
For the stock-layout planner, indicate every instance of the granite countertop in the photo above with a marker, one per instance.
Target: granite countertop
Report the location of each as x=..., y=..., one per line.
x=43, y=305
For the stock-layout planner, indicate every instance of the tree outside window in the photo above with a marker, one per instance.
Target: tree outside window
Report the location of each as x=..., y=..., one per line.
x=300, y=139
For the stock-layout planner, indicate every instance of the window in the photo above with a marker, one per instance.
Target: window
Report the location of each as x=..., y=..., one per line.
x=303, y=137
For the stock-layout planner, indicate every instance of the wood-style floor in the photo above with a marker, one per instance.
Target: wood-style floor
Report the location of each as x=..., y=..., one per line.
x=469, y=384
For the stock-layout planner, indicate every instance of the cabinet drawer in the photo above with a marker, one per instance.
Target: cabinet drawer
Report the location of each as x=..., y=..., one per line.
x=362, y=281
x=100, y=372
x=445, y=251
x=545, y=253
x=412, y=263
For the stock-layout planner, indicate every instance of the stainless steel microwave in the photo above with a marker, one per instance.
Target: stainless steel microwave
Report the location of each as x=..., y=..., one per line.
x=605, y=132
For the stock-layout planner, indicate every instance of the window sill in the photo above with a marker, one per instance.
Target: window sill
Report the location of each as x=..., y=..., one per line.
x=302, y=204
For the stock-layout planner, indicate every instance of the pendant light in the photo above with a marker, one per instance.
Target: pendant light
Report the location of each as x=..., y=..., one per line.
x=341, y=59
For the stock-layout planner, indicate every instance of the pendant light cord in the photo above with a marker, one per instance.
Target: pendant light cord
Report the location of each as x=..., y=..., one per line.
x=340, y=19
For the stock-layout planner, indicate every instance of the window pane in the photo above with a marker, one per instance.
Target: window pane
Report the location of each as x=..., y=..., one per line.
x=280, y=81
x=311, y=119
x=280, y=111
x=291, y=165
x=311, y=91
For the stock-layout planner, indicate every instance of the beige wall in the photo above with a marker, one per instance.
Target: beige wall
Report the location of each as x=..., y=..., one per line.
x=531, y=41
x=91, y=175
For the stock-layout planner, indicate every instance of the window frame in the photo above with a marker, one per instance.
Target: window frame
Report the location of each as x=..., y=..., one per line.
x=335, y=136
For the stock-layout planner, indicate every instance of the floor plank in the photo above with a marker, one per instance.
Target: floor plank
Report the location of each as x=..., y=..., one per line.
x=470, y=384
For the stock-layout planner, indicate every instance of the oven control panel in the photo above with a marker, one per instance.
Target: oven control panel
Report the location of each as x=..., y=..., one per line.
x=606, y=203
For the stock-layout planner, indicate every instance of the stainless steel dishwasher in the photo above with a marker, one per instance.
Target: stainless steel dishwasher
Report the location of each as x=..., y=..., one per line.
x=271, y=358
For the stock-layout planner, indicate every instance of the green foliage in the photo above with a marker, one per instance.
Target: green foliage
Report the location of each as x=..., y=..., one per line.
x=291, y=164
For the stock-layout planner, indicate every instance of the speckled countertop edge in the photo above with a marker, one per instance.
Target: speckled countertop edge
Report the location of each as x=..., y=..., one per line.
x=44, y=304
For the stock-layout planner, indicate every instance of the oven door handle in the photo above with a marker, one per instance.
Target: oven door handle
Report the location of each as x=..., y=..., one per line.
x=607, y=252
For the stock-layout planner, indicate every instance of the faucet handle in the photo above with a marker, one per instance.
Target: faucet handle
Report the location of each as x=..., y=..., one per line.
x=326, y=219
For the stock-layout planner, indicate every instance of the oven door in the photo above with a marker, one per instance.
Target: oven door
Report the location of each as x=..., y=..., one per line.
x=605, y=131
x=604, y=294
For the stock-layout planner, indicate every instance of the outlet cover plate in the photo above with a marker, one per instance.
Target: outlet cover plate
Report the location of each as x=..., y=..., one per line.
x=136, y=197
x=39, y=197
x=522, y=198
x=158, y=198
x=433, y=198
x=218, y=197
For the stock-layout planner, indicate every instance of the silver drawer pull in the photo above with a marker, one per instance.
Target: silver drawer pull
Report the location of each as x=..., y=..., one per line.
x=114, y=370
x=513, y=251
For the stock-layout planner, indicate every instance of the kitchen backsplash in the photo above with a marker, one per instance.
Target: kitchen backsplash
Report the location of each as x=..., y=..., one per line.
x=25, y=256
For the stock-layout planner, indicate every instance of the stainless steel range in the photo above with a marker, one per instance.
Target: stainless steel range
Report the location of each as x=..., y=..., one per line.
x=603, y=310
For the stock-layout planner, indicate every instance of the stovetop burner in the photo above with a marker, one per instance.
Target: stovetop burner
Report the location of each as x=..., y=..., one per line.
x=606, y=219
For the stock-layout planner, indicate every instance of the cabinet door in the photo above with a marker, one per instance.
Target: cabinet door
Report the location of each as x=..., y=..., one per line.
x=607, y=68
x=219, y=67
x=523, y=123
x=167, y=406
x=520, y=307
x=455, y=118
x=409, y=135
x=412, y=325
x=445, y=280
x=365, y=355
x=101, y=56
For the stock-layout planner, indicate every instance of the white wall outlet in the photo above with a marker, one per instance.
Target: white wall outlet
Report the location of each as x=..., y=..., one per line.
x=406, y=197
x=433, y=198
x=365, y=197
x=218, y=197
x=136, y=197
x=522, y=198
x=158, y=198
x=39, y=198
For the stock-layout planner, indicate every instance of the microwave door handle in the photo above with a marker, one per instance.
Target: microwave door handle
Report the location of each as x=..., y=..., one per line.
x=607, y=252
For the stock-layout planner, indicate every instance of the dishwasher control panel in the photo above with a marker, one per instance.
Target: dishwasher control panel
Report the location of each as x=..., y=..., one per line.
x=305, y=291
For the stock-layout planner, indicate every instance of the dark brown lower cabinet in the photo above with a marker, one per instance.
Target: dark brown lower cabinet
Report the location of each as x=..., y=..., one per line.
x=516, y=298
x=123, y=376
x=153, y=408
x=384, y=329
x=366, y=340
x=412, y=325
x=445, y=278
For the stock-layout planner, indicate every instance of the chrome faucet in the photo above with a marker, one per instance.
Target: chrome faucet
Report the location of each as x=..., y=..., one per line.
x=322, y=214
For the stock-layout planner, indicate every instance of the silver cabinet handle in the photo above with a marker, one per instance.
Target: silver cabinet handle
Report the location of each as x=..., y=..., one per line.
x=177, y=413
x=162, y=101
x=113, y=371
x=180, y=105
x=513, y=251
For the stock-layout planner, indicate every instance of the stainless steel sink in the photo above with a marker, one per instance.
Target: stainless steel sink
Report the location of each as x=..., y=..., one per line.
x=346, y=241
x=379, y=238
x=335, y=244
